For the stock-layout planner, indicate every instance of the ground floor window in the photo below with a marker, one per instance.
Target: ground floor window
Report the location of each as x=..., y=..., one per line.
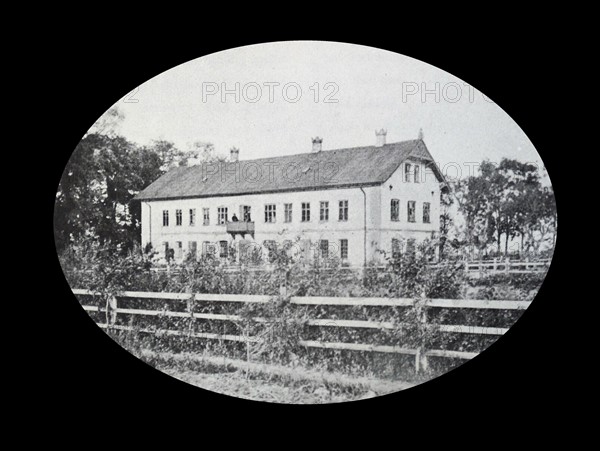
x=223, y=249
x=396, y=248
x=324, y=246
x=192, y=249
x=178, y=249
x=343, y=249
x=208, y=248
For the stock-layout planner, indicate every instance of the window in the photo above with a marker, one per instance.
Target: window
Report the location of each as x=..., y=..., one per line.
x=324, y=246
x=205, y=216
x=192, y=249
x=192, y=216
x=407, y=169
x=223, y=249
x=343, y=249
x=396, y=252
x=178, y=217
x=287, y=210
x=324, y=211
x=305, y=211
x=395, y=210
x=343, y=216
x=178, y=249
x=165, y=218
x=417, y=173
x=270, y=213
x=166, y=249
x=245, y=213
x=208, y=249
x=411, y=211
x=426, y=212
x=221, y=215
x=410, y=246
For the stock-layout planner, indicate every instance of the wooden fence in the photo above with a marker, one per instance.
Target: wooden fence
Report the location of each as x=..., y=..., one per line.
x=472, y=268
x=111, y=309
x=506, y=266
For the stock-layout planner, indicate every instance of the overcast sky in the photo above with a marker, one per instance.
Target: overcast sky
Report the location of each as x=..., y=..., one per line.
x=288, y=92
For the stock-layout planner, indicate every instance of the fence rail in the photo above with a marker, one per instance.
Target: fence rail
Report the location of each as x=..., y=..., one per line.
x=111, y=309
x=472, y=268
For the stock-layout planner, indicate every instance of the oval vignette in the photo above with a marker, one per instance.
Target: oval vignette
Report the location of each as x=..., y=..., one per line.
x=264, y=223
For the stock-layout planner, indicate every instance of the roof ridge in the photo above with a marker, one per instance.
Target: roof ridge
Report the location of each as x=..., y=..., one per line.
x=330, y=150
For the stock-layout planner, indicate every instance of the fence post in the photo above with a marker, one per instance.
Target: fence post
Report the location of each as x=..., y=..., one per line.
x=111, y=310
x=507, y=265
x=421, y=363
x=495, y=264
x=526, y=263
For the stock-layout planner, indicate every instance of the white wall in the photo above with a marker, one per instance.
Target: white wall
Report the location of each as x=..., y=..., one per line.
x=426, y=190
x=380, y=228
x=314, y=230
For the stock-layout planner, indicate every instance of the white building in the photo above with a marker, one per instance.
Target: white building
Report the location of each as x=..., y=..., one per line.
x=358, y=204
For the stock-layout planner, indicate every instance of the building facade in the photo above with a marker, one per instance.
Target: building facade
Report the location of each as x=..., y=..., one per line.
x=359, y=205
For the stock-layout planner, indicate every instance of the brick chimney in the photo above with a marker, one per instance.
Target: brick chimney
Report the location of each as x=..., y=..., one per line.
x=380, y=137
x=317, y=144
x=234, y=154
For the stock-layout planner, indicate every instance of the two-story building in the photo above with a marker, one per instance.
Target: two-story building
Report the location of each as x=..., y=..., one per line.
x=359, y=204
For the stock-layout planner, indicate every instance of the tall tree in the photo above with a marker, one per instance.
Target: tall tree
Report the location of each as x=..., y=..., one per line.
x=505, y=201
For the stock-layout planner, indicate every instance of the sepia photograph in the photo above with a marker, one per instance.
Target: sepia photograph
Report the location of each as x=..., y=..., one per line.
x=305, y=222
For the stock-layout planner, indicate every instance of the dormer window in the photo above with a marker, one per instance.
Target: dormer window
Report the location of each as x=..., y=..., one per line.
x=417, y=173
x=407, y=172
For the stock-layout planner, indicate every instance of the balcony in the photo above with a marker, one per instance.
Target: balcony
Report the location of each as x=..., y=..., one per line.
x=241, y=228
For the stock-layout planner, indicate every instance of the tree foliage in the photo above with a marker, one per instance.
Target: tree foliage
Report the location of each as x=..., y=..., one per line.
x=506, y=201
x=104, y=173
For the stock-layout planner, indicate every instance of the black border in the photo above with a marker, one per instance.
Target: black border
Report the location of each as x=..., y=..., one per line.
x=92, y=376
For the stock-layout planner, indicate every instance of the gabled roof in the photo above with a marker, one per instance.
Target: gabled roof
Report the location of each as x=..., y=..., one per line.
x=339, y=168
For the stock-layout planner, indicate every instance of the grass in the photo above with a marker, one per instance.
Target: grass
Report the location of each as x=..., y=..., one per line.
x=270, y=383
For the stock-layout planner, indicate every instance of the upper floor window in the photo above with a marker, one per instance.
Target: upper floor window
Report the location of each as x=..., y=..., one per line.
x=192, y=216
x=395, y=210
x=411, y=211
x=343, y=216
x=165, y=218
x=287, y=210
x=205, y=216
x=178, y=217
x=426, y=212
x=221, y=215
x=407, y=172
x=324, y=211
x=270, y=213
x=305, y=211
x=245, y=213
x=417, y=173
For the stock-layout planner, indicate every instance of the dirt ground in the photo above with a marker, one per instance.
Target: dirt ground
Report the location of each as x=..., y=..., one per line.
x=270, y=383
